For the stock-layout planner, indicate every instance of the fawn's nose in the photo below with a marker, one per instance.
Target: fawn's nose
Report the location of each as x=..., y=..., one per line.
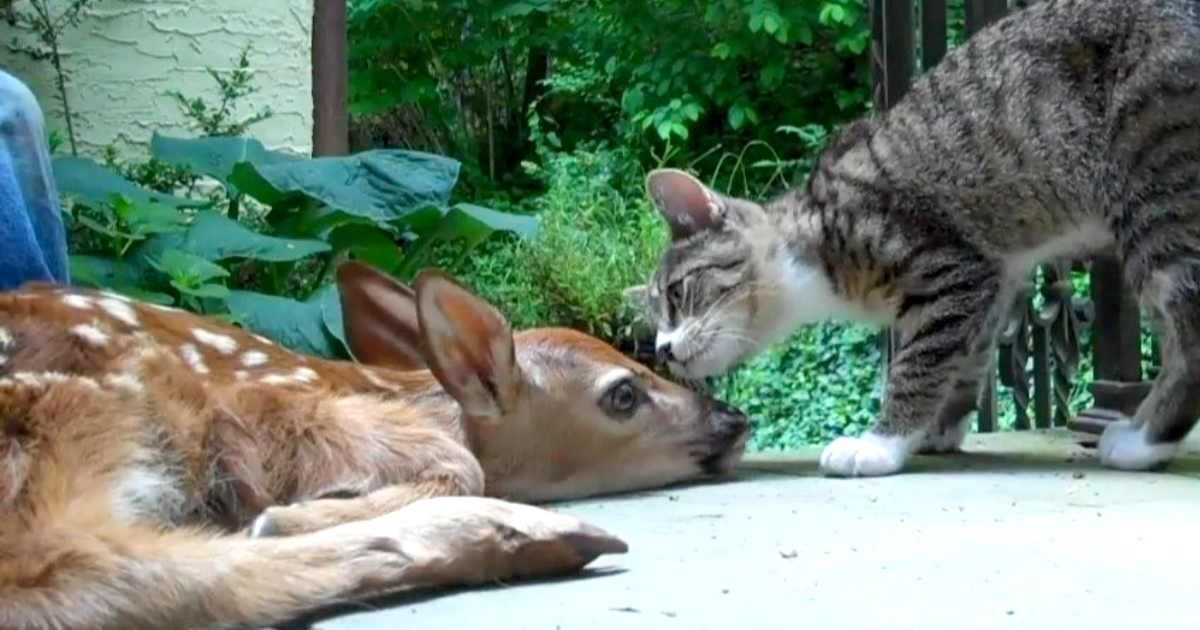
x=729, y=421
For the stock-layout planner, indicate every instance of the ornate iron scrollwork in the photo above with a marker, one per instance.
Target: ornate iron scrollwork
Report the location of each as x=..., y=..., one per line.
x=1013, y=346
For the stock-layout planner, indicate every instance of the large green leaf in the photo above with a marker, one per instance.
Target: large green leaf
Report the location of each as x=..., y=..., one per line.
x=214, y=236
x=188, y=269
x=465, y=224
x=95, y=185
x=215, y=156
x=468, y=221
x=144, y=219
x=331, y=314
x=381, y=184
x=107, y=273
x=297, y=325
x=367, y=243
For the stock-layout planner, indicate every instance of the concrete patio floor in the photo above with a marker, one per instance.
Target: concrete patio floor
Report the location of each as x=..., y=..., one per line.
x=1024, y=530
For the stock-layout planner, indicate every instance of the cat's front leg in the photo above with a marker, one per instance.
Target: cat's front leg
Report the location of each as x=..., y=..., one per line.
x=948, y=433
x=942, y=341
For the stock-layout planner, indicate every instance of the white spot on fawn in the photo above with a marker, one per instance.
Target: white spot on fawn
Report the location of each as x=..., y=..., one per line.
x=241, y=375
x=162, y=307
x=251, y=358
x=49, y=378
x=304, y=374
x=116, y=296
x=119, y=310
x=90, y=334
x=222, y=343
x=191, y=354
x=264, y=340
x=125, y=381
x=299, y=375
x=77, y=301
x=6, y=339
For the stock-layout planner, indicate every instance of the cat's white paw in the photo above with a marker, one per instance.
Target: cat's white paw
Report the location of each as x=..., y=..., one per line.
x=868, y=456
x=1125, y=447
x=944, y=439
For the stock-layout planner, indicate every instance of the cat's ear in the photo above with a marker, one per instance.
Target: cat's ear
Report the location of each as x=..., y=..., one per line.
x=687, y=205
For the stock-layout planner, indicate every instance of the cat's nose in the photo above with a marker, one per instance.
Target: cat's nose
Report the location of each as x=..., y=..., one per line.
x=662, y=351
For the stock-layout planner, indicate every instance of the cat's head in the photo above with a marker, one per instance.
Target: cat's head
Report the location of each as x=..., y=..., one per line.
x=716, y=295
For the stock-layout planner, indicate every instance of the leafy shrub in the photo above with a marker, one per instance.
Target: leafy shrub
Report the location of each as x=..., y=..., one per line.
x=389, y=208
x=667, y=79
x=822, y=383
x=222, y=226
x=593, y=242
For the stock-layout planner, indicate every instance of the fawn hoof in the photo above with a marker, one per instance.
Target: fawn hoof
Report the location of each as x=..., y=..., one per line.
x=592, y=542
x=1126, y=447
x=471, y=540
x=868, y=456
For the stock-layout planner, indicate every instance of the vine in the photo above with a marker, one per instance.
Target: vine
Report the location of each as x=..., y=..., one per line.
x=48, y=27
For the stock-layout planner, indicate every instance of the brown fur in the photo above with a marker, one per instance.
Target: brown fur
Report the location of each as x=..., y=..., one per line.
x=132, y=447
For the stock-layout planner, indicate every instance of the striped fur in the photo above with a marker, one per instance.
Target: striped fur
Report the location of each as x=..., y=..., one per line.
x=1062, y=129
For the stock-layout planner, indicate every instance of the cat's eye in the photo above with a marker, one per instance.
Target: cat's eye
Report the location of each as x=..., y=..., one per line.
x=675, y=293
x=622, y=400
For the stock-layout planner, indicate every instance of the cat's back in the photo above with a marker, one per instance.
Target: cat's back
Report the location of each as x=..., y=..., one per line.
x=1065, y=94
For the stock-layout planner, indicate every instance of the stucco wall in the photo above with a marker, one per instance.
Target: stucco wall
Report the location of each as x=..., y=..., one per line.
x=126, y=55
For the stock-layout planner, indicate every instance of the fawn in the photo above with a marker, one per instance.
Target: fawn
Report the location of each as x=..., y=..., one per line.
x=160, y=469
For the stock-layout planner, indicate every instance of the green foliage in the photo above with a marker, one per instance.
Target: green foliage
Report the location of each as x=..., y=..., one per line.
x=233, y=87
x=822, y=383
x=221, y=225
x=671, y=80
x=47, y=21
x=593, y=242
x=174, y=251
x=742, y=62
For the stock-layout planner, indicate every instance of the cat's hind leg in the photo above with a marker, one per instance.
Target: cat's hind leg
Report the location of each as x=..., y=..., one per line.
x=947, y=324
x=1151, y=439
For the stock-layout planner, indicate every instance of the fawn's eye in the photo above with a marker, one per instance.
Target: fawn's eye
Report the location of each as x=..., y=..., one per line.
x=622, y=400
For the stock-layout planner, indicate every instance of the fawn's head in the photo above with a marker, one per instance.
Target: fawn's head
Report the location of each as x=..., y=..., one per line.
x=550, y=413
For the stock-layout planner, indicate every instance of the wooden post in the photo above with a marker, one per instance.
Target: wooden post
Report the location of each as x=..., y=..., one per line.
x=331, y=120
x=933, y=33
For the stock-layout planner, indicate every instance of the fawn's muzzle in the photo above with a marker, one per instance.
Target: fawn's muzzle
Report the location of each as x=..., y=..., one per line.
x=729, y=421
x=729, y=430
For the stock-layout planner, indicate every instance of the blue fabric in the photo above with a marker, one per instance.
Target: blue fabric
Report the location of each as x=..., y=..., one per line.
x=33, y=242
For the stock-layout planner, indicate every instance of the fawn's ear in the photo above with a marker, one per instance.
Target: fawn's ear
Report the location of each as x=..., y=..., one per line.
x=380, y=315
x=469, y=346
x=687, y=205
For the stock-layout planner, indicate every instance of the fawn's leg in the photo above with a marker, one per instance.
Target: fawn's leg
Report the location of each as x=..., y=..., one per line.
x=134, y=578
x=351, y=463
x=946, y=323
x=319, y=514
x=455, y=472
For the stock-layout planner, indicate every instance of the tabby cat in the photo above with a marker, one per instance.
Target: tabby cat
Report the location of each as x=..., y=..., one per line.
x=1062, y=129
